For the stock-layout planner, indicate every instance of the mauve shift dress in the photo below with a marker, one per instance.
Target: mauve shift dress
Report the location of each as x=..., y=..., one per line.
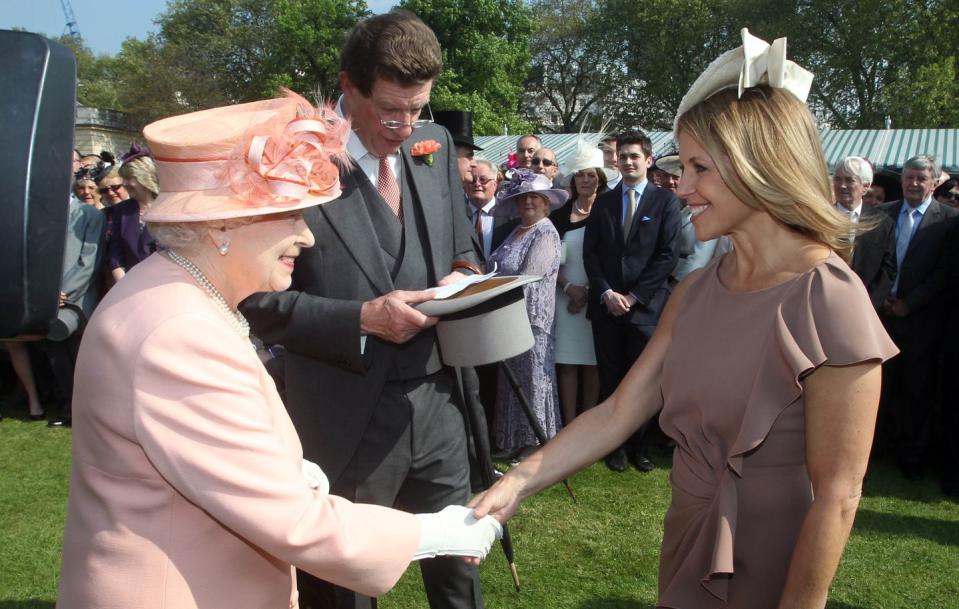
x=733, y=403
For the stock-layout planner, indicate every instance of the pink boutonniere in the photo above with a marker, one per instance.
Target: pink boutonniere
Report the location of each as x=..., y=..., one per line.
x=425, y=150
x=511, y=161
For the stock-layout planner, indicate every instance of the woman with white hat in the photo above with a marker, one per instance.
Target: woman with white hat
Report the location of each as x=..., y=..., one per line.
x=766, y=363
x=533, y=248
x=188, y=487
x=585, y=178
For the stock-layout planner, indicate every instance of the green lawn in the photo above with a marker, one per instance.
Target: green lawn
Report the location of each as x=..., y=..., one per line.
x=600, y=553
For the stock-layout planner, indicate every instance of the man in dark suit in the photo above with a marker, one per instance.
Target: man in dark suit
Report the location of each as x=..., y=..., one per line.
x=630, y=248
x=874, y=252
x=914, y=312
x=491, y=230
x=365, y=386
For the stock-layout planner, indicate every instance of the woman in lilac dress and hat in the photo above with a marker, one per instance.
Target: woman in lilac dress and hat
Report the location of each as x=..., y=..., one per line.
x=533, y=248
x=766, y=363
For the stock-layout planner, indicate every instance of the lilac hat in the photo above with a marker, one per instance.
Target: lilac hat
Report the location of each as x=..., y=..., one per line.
x=524, y=181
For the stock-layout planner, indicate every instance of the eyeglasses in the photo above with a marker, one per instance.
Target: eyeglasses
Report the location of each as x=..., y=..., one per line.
x=950, y=195
x=483, y=180
x=412, y=125
x=115, y=188
x=543, y=162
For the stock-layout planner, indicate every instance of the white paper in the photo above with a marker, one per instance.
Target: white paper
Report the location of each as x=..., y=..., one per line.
x=455, y=288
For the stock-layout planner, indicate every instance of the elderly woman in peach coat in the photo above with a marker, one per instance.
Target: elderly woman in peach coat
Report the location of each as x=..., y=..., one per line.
x=188, y=487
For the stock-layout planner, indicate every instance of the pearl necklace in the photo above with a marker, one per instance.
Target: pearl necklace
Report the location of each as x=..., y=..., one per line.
x=236, y=319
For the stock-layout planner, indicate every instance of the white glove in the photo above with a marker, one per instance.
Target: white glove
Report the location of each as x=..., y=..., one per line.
x=455, y=532
x=315, y=476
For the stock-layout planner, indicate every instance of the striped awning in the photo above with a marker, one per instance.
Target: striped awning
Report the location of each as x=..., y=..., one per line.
x=886, y=148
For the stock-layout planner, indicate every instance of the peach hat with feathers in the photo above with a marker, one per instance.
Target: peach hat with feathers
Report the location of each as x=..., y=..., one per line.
x=263, y=157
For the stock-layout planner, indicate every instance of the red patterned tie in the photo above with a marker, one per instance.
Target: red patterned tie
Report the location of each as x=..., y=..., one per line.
x=388, y=188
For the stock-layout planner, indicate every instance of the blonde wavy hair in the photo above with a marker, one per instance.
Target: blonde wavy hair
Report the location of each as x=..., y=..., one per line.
x=145, y=172
x=767, y=150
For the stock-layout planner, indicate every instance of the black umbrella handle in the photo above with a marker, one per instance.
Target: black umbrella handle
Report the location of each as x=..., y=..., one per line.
x=477, y=430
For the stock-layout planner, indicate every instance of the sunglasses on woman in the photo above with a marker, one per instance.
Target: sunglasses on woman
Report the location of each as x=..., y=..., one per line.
x=115, y=188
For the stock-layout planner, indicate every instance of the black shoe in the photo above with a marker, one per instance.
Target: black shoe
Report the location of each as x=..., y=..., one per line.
x=642, y=462
x=59, y=423
x=911, y=471
x=617, y=461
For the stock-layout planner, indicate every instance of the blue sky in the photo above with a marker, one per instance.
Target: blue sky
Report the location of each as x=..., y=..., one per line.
x=103, y=25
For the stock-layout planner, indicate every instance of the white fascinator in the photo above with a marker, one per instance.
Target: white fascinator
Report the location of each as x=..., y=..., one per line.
x=756, y=62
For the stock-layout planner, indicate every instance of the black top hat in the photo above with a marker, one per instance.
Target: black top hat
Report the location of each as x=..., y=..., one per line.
x=459, y=124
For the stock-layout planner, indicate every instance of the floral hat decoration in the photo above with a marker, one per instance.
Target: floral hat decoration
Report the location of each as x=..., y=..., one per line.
x=252, y=159
x=756, y=62
x=524, y=181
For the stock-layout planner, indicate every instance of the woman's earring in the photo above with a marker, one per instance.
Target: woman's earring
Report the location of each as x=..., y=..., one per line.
x=224, y=248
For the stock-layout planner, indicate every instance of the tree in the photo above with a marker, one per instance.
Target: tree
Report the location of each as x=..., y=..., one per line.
x=215, y=52
x=96, y=85
x=309, y=36
x=485, y=58
x=664, y=46
x=879, y=58
x=575, y=69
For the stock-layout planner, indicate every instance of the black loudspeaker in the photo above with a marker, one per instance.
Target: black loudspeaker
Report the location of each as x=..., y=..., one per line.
x=37, y=103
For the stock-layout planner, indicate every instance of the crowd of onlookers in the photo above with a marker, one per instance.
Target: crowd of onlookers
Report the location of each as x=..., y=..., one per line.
x=611, y=235
x=614, y=272
x=104, y=239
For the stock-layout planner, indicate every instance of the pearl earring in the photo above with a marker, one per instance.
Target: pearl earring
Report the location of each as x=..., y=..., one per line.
x=224, y=248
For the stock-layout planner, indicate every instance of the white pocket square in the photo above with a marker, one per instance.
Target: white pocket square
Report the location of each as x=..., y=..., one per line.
x=645, y=219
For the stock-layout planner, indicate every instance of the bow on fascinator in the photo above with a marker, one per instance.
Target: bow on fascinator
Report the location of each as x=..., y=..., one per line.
x=292, y=160
x=756, y=62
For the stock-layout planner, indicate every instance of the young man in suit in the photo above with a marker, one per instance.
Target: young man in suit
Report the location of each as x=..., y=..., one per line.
x=914, y=313
x=630, y=248
x=370, y=398
x=874, y=252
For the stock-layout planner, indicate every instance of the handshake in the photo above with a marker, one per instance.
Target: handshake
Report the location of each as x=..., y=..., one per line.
x=451, y=532
x=455, y=532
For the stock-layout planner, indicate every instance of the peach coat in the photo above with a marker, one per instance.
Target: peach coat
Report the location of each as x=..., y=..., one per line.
x=186, y=489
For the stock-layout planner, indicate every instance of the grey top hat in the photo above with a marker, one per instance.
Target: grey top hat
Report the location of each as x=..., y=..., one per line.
x=485, y=323
x=524, y=181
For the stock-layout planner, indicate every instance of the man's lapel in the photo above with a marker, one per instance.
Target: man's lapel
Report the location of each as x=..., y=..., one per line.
x=349, y=217
x=641, y=207
x=425, y=193
x=933, y=214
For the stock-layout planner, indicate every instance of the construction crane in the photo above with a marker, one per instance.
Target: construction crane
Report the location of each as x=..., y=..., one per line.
x=71, y=29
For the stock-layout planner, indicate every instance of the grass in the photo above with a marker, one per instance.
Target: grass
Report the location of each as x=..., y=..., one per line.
x=599, y=553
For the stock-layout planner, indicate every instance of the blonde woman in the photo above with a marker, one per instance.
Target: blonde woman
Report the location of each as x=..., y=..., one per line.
x=766, y=363
x=130, y=241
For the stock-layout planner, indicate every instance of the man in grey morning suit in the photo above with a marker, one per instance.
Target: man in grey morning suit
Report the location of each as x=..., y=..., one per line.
x=365, y=386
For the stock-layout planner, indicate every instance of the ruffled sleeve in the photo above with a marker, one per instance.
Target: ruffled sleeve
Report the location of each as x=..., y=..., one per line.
x=826, y=318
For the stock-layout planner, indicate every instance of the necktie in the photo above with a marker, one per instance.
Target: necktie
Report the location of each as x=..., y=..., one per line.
x=628, y=221
x=388, y=188
x=478, y=225
x=905, y=234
